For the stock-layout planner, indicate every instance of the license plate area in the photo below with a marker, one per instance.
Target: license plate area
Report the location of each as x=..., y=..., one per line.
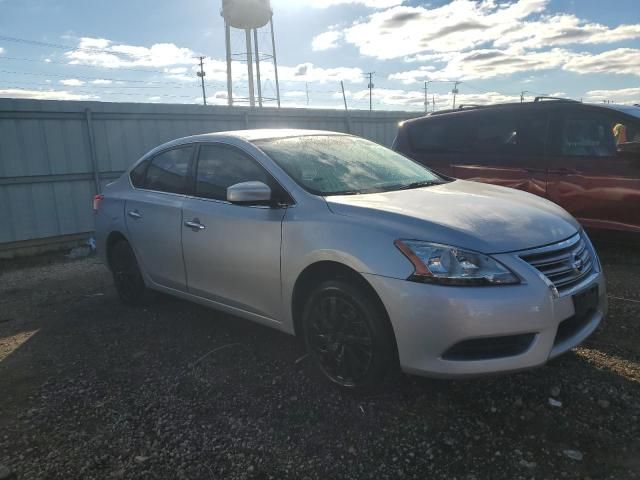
x=586, y=302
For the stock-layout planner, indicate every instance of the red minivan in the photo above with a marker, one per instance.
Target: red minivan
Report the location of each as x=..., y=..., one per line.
x=584, y=157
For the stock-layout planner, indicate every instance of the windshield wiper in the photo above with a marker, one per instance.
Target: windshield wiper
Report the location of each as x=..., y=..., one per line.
x=424, y=183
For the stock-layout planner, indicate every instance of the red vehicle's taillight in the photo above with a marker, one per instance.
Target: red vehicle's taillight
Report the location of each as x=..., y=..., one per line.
x=97, y=199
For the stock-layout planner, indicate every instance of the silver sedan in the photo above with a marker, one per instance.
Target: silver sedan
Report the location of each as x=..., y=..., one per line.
x=374, y=260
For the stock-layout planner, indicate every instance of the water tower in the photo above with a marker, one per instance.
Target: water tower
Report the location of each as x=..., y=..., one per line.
x=250, y=16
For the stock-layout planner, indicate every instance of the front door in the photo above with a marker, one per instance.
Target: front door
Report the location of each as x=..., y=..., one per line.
x=590, y=175
x=154, y=216
x=504, y=148
x=232, y=252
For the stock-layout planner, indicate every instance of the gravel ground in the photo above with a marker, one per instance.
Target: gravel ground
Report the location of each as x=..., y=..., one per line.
x=92, y=389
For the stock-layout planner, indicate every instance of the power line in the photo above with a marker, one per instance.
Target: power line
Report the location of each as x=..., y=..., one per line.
x=82, y=65
x=15, y=87
x=69, y=47
x=84, y=77
x=100, y=87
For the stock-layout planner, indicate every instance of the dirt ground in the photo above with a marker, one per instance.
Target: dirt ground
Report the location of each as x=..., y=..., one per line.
x=92, y=389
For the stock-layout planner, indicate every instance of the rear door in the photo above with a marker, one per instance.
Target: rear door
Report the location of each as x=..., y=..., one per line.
x=504, y=148
x=589, y=175
x=234, y=256
x=154, y=215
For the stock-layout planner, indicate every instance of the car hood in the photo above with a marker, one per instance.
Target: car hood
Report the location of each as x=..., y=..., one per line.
x=471, y=215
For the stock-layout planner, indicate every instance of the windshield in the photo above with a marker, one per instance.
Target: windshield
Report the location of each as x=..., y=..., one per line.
x=341, y=165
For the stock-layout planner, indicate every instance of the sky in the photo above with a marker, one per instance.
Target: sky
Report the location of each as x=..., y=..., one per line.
x=499, y=50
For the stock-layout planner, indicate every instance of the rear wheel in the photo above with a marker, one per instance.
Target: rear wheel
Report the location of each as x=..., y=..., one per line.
x=348, y=336
x=127, y=277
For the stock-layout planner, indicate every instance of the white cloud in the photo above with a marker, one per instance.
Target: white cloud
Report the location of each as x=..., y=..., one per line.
x=72, y=82
x=484, y=38
x=619, y=61
x=295, y=93
x=414, y=99
x=489, y=63
x=101, y=81
x=308, y=72
x=45, y=94
x=366, y=3
x=563, y=29
x=413, y=76
x=622, y=95
x=326, y=40
x=1, y=50
x=455, y=26
x=106, y=53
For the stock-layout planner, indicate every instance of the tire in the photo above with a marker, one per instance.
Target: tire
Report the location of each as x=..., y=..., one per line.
x=127, y=277
x=348, y=336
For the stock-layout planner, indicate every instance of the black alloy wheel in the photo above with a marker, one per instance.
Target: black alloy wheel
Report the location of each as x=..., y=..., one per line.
x=347, y=335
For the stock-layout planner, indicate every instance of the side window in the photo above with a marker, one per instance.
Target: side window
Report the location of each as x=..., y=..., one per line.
x=510, y=133
x=587, y=134
x=220, y=166
x=169, y=170
x=137, y=174
x=438, y=135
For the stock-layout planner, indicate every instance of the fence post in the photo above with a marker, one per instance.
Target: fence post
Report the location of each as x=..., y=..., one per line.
x=92, y=150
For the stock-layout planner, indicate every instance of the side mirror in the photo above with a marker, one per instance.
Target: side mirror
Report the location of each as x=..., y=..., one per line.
x=249, y=193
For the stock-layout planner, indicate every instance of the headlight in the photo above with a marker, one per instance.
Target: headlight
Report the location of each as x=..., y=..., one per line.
x=435, y=263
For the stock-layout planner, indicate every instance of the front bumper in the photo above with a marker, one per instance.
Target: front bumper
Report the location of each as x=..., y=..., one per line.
x=428, y=320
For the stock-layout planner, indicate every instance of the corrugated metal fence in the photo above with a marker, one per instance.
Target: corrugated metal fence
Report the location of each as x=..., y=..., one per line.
x=55, y=155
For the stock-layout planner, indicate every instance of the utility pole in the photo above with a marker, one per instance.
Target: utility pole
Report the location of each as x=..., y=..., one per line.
x=426, y=98
x=370, y=86
x=346, y=109
x=433, y=103
x=455, y=92
x=201, y=74
x=522, y=94
x=306, y=89
x=344, y=97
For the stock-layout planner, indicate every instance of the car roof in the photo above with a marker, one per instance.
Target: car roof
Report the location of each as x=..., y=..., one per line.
x=260, y=134
x=627, y=109
x=235, y=136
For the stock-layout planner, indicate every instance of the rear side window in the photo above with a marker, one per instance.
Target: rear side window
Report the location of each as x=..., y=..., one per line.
x=169, y=170
x=220, y=166
x=511, y=133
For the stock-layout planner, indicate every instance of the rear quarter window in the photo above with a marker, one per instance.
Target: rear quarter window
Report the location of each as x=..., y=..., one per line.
x=138, y=173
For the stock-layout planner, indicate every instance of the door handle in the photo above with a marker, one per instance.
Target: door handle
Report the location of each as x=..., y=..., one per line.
x=195, y=225
x=134, y=214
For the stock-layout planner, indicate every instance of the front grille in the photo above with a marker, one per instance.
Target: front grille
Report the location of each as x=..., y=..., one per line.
x=565, y=264
x=491, y=347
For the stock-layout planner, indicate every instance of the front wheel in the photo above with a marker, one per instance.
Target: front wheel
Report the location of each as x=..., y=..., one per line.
x=348, y=336
x=127, y=276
